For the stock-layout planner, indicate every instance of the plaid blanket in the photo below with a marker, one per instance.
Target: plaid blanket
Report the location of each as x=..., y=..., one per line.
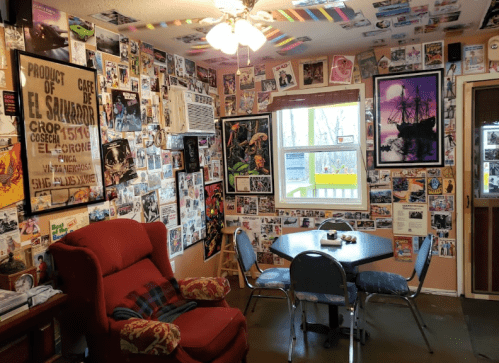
x=156, y=300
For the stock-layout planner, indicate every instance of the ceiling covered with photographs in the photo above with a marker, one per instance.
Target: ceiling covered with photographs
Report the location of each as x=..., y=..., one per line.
x=295, y=28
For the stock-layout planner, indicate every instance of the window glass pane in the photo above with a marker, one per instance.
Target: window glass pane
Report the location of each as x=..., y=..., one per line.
x=321, y=175
x=294, y=127
x=331, y=123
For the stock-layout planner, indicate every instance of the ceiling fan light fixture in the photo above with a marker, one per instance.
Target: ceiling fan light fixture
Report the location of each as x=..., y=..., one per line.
x=244, y=31
x=256, y=39
x=218, y=35
x=230, y=44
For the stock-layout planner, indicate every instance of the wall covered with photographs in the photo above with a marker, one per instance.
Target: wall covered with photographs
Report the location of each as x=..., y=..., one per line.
x=404, y=203
x=140, y=159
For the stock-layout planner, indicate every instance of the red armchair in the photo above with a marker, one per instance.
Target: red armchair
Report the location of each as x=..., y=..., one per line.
x=102, y=263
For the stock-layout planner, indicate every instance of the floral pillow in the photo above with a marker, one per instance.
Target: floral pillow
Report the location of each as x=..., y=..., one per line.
x=141, y=336
x=204, y=288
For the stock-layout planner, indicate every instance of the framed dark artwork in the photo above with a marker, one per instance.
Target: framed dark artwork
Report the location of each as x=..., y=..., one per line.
x=191, y=207
x=191, y=154
x=408, y=120
x=213, y=194
x=247, y=154
x=119, y=166
x=126, y=111
x=62, y=159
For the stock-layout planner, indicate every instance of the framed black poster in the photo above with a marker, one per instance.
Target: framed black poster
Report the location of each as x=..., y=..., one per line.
x=408, y=124
x=191, y=207
x=191, y=154
x=247, y=154
x=62, y=157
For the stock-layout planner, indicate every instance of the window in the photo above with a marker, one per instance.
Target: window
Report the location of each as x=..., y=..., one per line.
x=318, y=152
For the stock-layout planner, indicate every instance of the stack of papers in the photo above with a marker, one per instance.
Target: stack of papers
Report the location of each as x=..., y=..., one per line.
x=12, y=303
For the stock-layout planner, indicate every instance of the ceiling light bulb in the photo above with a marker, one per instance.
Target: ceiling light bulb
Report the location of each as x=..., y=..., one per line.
x=243, y=30
x=218, y=34
x=256, y=39
x=230, y=44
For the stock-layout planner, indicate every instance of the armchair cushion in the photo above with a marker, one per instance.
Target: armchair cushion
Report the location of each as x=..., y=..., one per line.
x=207, y=332
x=118, y=285
x=149, y=299
x=149, y=337
x=204, y=288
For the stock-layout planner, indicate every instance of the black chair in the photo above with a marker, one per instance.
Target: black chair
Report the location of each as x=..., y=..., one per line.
x=318, y=277
x=371, y=283
x=338, y=224
x=272, y=279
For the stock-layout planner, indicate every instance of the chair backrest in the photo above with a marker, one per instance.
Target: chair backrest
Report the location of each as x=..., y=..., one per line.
x=318, y=272
x=337, y=224
x=423, y=260
x=117, y=243
x=244, y=250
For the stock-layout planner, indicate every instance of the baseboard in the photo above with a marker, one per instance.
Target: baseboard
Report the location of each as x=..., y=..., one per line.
x=442, y=292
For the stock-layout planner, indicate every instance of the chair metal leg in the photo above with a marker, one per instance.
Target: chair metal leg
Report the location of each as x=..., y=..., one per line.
x=303, y=316
x=357, y=321
x=254, y=305
x=418, y=312
x=249, y=300
x=350, y=350
x=419, y=325
x=365, y=298
x=292, y=335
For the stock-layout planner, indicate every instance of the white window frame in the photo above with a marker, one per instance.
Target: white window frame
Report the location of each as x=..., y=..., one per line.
x=281, y=201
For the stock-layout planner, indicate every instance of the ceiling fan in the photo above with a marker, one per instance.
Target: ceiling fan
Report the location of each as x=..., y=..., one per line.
x=239, y=24
x=234, y=26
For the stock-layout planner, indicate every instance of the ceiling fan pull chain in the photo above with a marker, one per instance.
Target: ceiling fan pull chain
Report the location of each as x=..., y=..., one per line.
x=238, y=70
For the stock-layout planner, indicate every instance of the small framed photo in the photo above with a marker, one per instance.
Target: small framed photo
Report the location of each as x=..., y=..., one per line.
x=313, y=72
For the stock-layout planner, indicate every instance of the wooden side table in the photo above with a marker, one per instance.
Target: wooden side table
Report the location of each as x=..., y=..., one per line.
x=29, y=336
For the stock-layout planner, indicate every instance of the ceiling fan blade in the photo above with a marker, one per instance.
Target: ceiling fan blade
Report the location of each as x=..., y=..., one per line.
x=211, y=21
x=262, y=16
x=321, y=13
x=283, y=42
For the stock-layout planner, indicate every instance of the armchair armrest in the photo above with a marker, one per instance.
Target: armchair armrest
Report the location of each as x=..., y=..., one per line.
x=140, y=336
x=204, y=288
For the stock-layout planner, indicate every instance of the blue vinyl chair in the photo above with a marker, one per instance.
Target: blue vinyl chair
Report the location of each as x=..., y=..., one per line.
x=272, y=279
x=318, y=277
x=371, y=283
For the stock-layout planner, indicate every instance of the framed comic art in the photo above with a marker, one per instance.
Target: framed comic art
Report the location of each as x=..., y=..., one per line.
x=62, y=157
x=191, y=207
x=247, y=154
x=313, y=73
x=408, y=120
x=214, y=219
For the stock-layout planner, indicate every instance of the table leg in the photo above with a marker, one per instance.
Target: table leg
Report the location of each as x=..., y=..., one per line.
x=334, y=331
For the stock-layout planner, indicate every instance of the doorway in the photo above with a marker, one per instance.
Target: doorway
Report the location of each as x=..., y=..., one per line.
x=481, y=188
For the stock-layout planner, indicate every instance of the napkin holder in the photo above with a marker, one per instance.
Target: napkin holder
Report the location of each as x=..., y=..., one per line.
x=331, y=242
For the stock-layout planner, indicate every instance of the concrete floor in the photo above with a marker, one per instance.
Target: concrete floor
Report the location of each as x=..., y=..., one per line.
x=394, y=335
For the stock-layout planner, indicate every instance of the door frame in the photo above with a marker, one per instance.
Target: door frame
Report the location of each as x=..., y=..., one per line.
x=460, y=94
